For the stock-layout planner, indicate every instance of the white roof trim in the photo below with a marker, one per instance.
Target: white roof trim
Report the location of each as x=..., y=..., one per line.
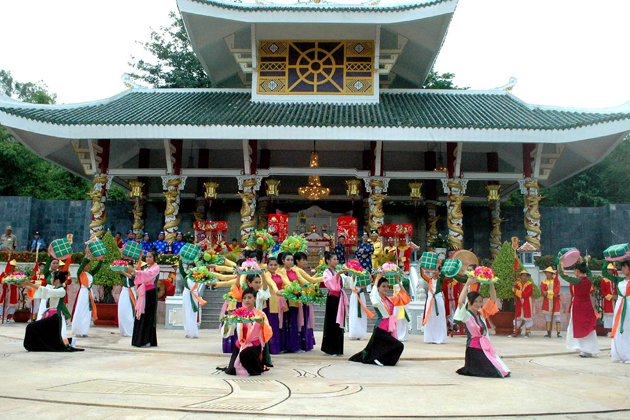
x=220, y=132
x=341, y=14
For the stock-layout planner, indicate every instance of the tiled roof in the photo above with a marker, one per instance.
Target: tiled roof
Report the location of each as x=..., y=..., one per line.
x=255, y=7
x=419, y=109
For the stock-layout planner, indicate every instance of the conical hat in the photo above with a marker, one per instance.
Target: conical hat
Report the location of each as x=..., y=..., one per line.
x=549, y=270
x=525, y=272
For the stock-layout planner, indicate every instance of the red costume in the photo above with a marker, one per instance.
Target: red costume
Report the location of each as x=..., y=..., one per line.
x=606, y=288
x=524, y=303
x=584, y=320
x=12, y=289
x=553, y=287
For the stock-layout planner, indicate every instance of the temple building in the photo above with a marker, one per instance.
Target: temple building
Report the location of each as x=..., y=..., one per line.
x=327, y=97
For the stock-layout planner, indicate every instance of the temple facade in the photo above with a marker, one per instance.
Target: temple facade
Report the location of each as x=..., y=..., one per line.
x=321, y=96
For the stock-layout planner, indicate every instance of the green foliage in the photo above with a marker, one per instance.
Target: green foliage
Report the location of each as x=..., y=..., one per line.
x=440, y=81
x=106, y=277
x=503, y=266
x=440, y=241
x=176, y=64
x=35, y=93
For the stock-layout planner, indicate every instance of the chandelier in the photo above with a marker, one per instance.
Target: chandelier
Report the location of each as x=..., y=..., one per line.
x=314, y=190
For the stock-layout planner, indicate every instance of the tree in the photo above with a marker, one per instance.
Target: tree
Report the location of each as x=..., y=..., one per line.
x=440, y=81
x=503, y=267
x=22, y=173
x=106, y=277
x=176, y=66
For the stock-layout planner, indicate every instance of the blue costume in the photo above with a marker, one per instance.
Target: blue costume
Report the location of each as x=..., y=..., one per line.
x=177, y=246
x=364, y=255
x=276, y=248
x=340, y=250
x=161, y=246
x=146, y=246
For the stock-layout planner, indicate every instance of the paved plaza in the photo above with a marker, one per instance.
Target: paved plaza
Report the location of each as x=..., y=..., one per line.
x=179, y=380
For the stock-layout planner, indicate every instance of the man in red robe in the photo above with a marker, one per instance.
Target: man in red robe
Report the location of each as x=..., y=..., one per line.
x=523, y=290
x=550, y=289
x=9, y=299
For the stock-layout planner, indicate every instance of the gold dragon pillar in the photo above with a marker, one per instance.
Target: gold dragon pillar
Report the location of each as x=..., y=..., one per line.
x=455, y=189
x=376, y=187
x=172, y=185
x=136, y=195
x=248, y=185
x=494, y=204
x=100, y=188
x=432, y=219
x=531, y=197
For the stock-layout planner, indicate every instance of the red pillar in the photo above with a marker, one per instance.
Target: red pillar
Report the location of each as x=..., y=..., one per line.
x=450, y=158
x=528, y=148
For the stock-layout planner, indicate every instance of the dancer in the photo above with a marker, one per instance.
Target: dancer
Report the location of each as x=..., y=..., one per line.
x=290, y=323
x=451, y=290
x=434, y=322
x=402, y=313
x=550, y=289
x=190, y=303
x=51, y=267
x=49, y=333
x=358, y=313
x=607, y=290
x=581, y=333
x=383, y=349
x=336, y=308
x=620, y=334
x=144, y=334
x=37, y=278
x=276, y=306
x=246, y=358
x=481, y=357
x=126, y=305
x=84, y=307
x=523, y=290
x=307, y=332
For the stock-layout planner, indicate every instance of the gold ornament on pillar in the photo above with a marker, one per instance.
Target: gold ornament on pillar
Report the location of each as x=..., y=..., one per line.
x=273, y=187
x=494, y=204
x=248, y=207
x=432, y=219
x=210, y=190
x=375, y=203
x=138, y=211
x=416, y=192
x=455, y=215
x=99, y=205
x=353, y=188
x=262, y=214
x=532, y=213
x=172, y=186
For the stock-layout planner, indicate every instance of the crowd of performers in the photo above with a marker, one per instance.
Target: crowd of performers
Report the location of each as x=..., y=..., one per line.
x=286, y=326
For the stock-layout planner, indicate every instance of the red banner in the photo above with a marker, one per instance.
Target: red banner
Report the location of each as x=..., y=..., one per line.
x=347, y=226
x=279, y=223
x=210, y=226
x=396, y=230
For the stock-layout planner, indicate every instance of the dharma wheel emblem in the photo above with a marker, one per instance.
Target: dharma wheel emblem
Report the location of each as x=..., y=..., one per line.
x=273, y=48
x=358, y=48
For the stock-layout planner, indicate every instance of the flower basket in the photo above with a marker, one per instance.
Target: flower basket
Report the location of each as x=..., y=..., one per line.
x=390, y=271
x=293, y=244
x=249, y=267
x=260, y=238
x=200, y=275
x=483, y=275
x=119, y=265
x=241, y=316
x=312, y=294
x=14, y=278
x=361, y=275
x=211, y=257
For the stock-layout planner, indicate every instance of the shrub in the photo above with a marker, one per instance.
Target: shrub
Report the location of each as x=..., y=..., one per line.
x=106, y=277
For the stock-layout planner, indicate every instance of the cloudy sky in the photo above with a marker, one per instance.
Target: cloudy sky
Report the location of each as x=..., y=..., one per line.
x=563, y=52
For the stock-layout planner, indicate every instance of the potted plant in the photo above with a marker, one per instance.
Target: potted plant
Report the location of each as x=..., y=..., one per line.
x=440, y=245
x=107, y=279
x=503, y=267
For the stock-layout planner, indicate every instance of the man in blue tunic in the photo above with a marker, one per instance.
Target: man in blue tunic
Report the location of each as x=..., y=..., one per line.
x=178, y=244
x=340, y=249
x=161, y=245
x=147, y=245
x=364, y=253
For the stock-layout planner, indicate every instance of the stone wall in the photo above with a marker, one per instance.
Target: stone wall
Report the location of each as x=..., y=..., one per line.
x=592, y=228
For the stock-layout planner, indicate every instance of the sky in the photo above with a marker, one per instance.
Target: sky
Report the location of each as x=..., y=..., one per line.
x=568, y=53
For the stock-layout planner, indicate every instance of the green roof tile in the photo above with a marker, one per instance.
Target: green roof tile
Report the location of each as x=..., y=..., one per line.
x=421, y=109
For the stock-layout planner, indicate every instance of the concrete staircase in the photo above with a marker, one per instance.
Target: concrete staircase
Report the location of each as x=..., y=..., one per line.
x=210, y=313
